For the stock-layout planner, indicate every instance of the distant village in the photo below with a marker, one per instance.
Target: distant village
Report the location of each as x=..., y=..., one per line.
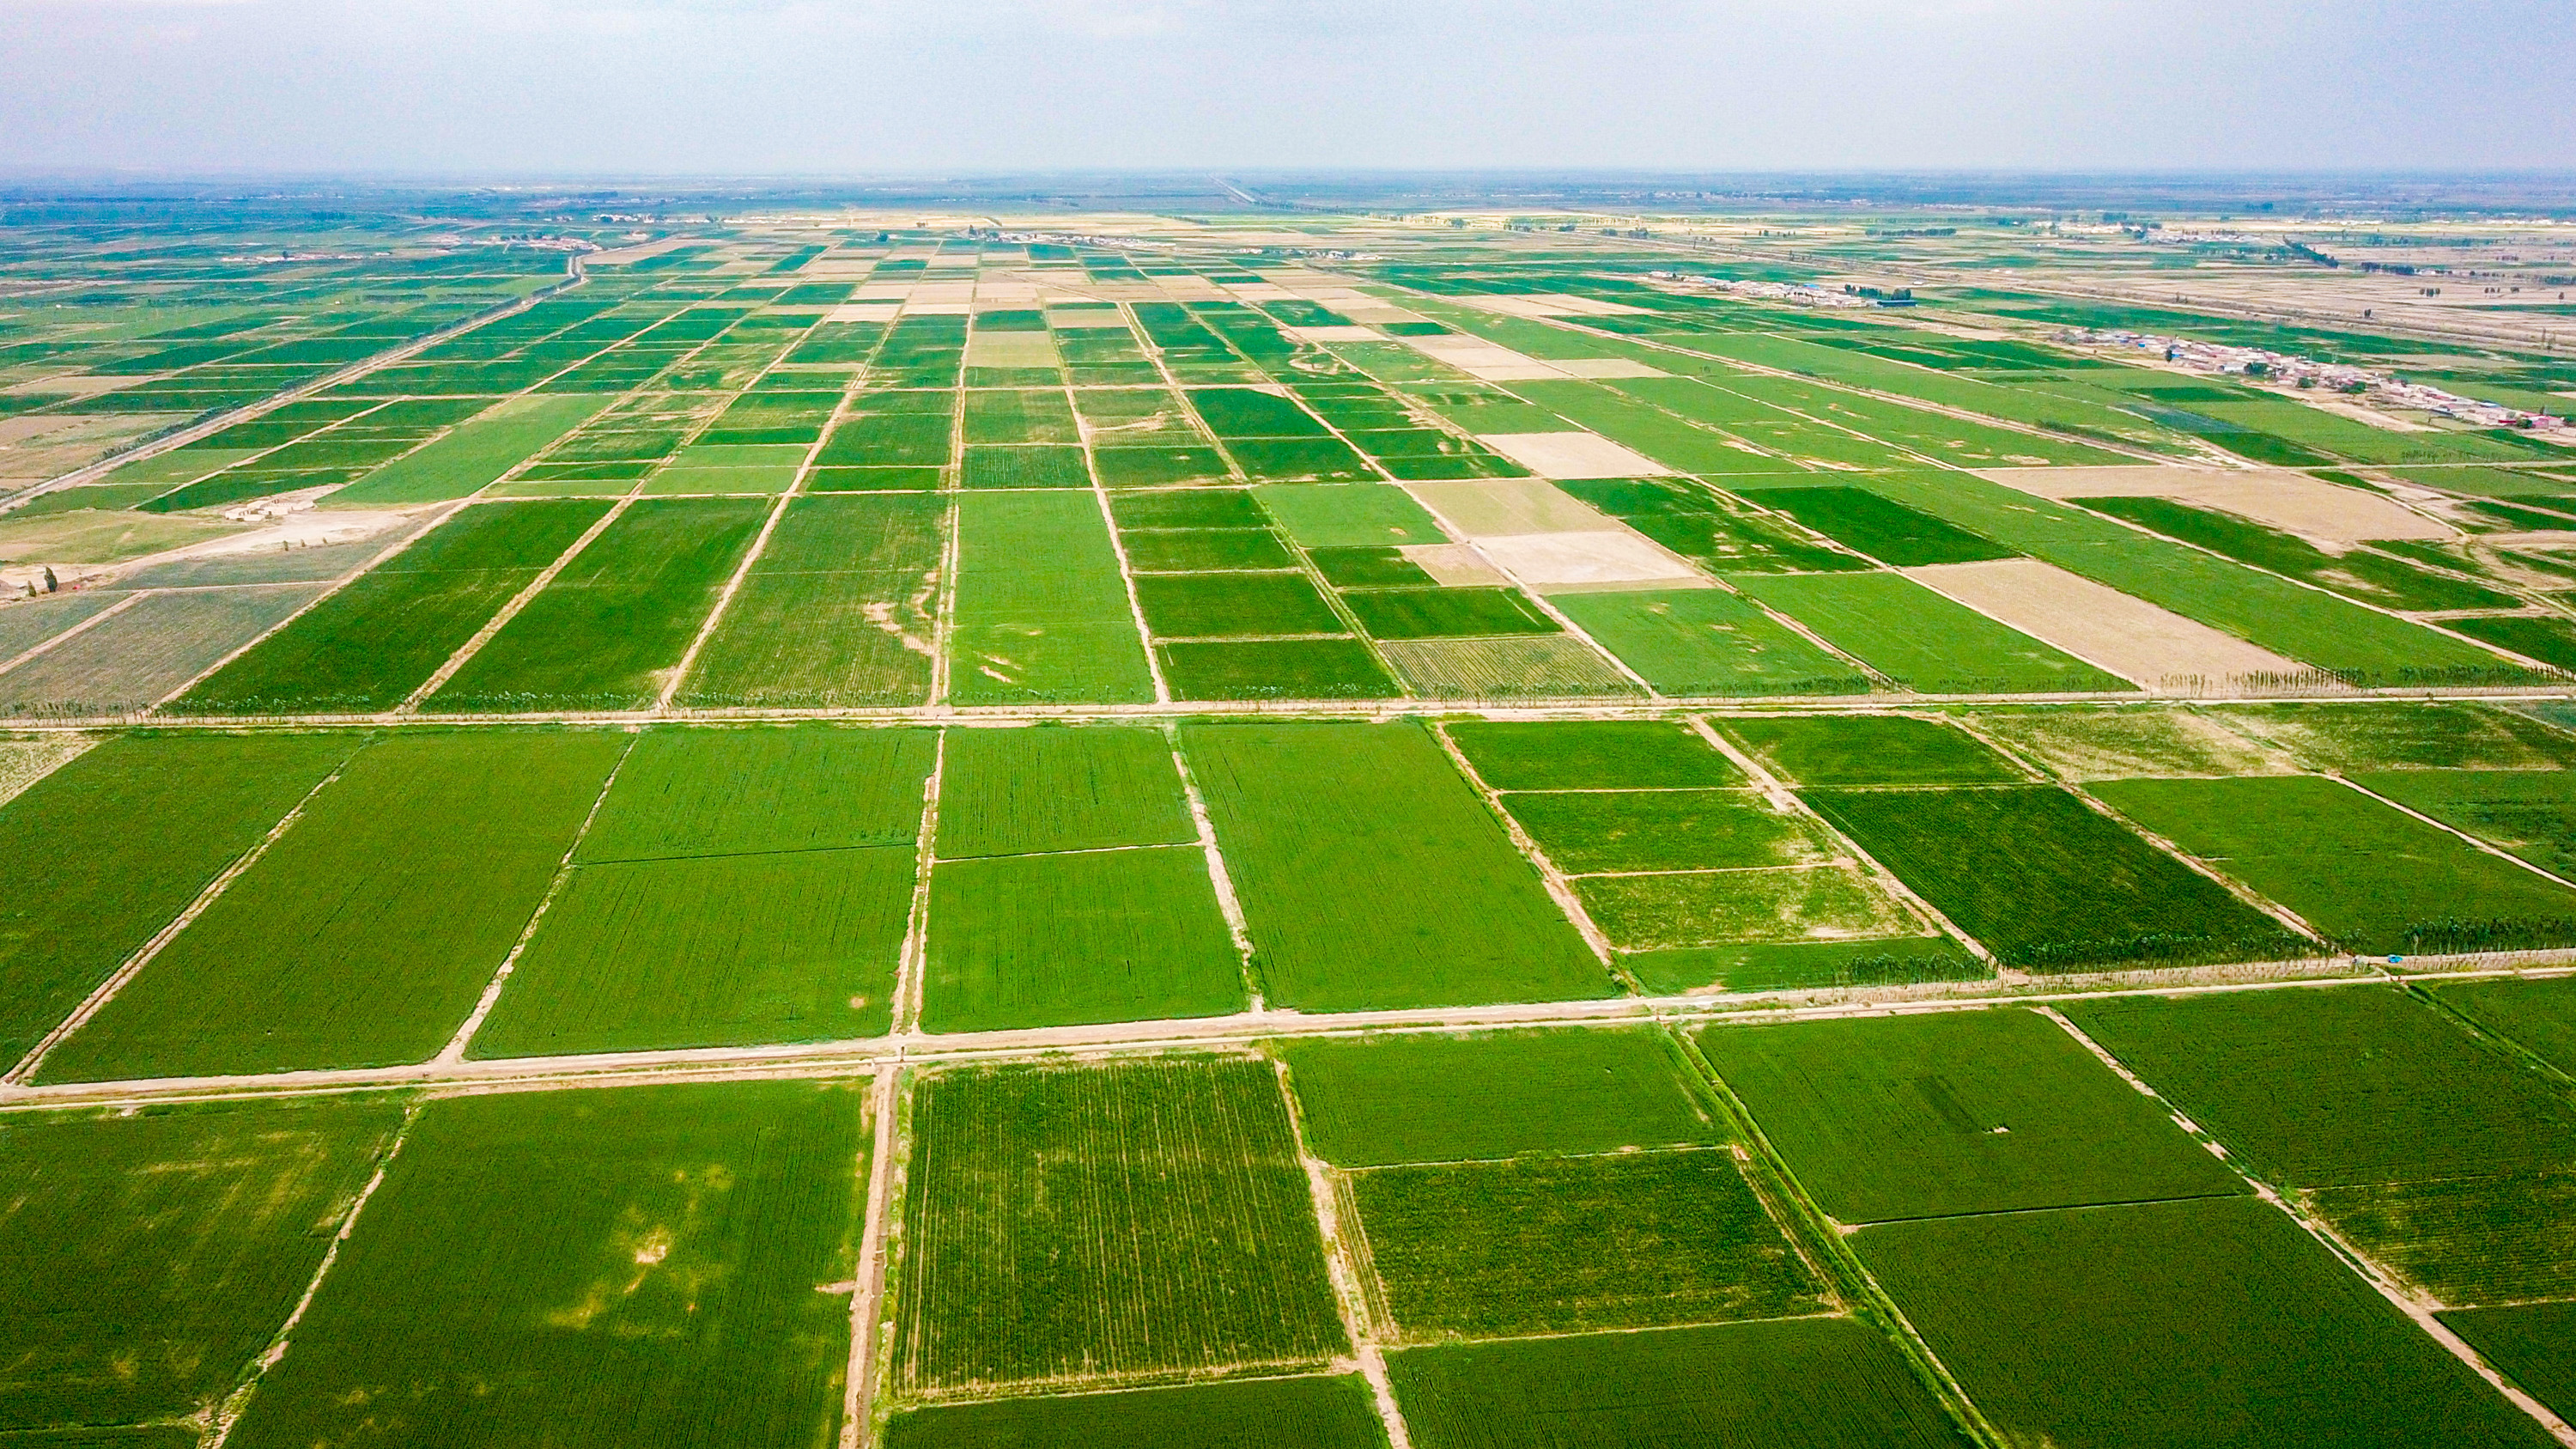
x=2288, y=370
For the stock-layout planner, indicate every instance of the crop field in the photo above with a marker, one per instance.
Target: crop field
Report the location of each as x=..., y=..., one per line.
x=686, y=1229
x=1455, y=915
x=1032, y=1190
x=2366, y=875
x=152, y=1258
x=607, y=630
x=1383, y=1100
x=1965, y=1112
x=2205, y=1322
x=1830, y=1383
x=2047, y=884
x=1347, y=818
x=1575, y=1244
x=140, y=826
x=1315, y=1412
x=368, y=646
x=307, y=963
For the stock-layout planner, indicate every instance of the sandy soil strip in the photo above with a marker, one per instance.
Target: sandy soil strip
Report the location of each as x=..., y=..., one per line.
x=1573, y=455
x=1544, y=561
x=1228, y=904
x=867, y=1297
x=2293, y=502
x=2160, y=651
x=1499, y=507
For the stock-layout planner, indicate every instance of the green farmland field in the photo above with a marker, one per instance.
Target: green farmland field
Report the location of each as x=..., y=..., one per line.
x=2353, y=1085
x=2414, y=736
x=2048, y=884
x=618, y=617
x=135, y=829
x=1054, y=940
x=1879, y=527
x=723, y=950
x=1920, y=639
x=1029, y=1189
x=1576, y=1244
x=2213, y=1322
x=2540, y=1016
x=1044, y=619
x=2529, y=812
x=306, y=962
x=612, y=1267
x=1452, y=916
x=472, y=457
x=1867, y=749
x=1807, y=1383
x=1013, y=791
x=1708, y=642
x=152, y=1258
x=1592, y=755
x=687, y=792
x=1961, y=1112
x=2366, y=875
x=367, y=647
x=837, y=611
x=1298, y=1413
x=2533, y=1343
x=1413, y=1098
x=1645, y=830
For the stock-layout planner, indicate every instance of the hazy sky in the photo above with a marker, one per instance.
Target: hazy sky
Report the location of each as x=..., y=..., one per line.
x=625, y=86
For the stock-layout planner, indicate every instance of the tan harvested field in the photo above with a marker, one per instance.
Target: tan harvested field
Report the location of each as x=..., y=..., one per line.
x=1567, y=562
x=1484, y=361
x=1454, y=565
x=864, y=312
x=2292, y=502
x=1605, y=367
x=1010, y=349
x=1572, y=455
x=1501, y=507
x=2162, y=652
x=1320, y=335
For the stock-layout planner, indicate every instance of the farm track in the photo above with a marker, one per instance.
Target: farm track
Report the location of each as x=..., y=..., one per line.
x=863, y=1056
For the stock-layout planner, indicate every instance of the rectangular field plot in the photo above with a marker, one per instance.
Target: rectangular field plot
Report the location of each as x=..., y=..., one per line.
x=2373, y=878
x=1815, y=1383
x=1708, y=642
x=1216, y=606
x=1299, y=1413
x=1030, y=1191
x=2529, y=812
x=144, y=654
x=2440, y=1156
x=2415, y=736
x=1041, y=614
x=1099, y=935
x=686, y=1231
x=1586, y=832
x=151, y=1258
x=1508, y=668
x=727, y=950
x=473, y=456
x=2046, y=883
x=1921, y=640
x=1449, y=913
x=743, y=791
x=134, y=830
x=2125, y=742
x=1405, y=1097
x=1955, y=1112
x=1349, y=515
x=367, y=647
x=837, y=611
x=365, y=935
x=1592, y=755
x=1880, y=527
x=2211, y=1322
x=1275, y=669
x=1868, y=749
x=609, y=628
x=1046, y=788
x=1573, y=1244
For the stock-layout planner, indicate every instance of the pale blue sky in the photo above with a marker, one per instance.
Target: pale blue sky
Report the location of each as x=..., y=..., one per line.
x=838, y=86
